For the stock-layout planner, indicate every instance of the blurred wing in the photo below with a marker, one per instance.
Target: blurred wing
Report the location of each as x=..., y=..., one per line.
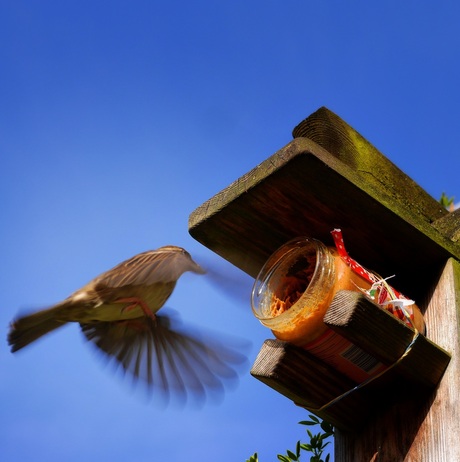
x=149, y=268
x=228, y=279
x=175, y=365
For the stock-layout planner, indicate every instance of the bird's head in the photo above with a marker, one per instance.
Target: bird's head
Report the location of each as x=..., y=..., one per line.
x=173, y=250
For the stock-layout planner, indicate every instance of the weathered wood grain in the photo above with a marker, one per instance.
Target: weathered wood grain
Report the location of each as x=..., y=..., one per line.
x=426, y=427
x=307, y=381
x=386, y=338
x=449, y=225
x=344, y=142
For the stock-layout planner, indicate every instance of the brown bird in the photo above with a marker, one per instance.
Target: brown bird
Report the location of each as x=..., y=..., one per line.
x=117, y=312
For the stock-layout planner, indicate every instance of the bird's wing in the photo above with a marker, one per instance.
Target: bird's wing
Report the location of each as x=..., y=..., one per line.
x=149, y=268
x=176, y=365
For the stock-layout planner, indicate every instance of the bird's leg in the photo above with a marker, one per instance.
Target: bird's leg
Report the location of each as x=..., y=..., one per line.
x=133, y=303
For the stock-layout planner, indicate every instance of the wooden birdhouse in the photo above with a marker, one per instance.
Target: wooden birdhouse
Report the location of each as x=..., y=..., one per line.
x=328, y=178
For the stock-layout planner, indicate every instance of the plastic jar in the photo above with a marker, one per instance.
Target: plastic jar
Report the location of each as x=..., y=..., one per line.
x=294, y=289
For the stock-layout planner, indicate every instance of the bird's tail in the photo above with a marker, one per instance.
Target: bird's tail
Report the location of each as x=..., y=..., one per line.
x=27, y=329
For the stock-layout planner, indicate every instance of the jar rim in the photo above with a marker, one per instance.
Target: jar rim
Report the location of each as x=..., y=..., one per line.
x=261, y=294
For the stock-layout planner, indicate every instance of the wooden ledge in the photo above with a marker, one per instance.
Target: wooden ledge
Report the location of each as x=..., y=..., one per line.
x=415, y=364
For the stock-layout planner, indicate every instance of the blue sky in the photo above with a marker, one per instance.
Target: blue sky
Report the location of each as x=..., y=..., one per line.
x=119, y=118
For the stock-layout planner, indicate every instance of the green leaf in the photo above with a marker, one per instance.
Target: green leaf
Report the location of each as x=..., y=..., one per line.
x=323, y=446
x=316, y=445
x=327, y=427
x=315, y=440
x=446, y=201
x=283, y=458
x=308, y=422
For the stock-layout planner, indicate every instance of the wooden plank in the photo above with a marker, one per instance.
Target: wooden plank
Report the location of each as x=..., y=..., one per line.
x=295, y=373
x=340, y=139
x=449, y=225
x=386, y=338
x=307, y=381
x=421, y=428
x=304, y=190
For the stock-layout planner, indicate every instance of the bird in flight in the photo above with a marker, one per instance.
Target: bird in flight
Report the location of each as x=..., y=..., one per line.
x=117, y=312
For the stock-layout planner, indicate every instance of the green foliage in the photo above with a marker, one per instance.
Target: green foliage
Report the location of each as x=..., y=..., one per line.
x=316, y=445
x=253, y=458
x=447, y=202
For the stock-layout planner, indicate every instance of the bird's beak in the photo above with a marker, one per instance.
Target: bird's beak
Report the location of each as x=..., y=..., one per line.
x=198, y=269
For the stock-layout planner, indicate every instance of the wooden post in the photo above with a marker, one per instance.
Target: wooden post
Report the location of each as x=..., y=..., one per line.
x=421, y=428
x=330, y=177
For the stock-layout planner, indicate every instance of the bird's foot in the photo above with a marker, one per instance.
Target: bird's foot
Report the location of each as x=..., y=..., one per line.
x=135, y=302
